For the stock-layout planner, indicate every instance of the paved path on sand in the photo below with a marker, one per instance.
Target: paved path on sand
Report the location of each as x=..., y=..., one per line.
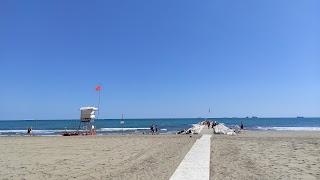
x=196, y=164
x=205, y=130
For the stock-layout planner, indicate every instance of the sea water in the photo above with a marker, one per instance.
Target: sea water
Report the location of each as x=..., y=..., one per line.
x=140, y=126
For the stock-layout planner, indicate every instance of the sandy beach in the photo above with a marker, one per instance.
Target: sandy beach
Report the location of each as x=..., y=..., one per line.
x=252, y=155
x=266, y=155
x=99, y=157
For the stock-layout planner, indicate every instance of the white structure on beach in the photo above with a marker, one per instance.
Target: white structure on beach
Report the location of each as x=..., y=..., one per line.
x=196, y=164
x=195, y=129
x=87, y=120
x=222, y=129
x=87, y=114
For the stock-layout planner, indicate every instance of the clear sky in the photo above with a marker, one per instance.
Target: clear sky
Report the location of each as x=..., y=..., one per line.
x=158, y=59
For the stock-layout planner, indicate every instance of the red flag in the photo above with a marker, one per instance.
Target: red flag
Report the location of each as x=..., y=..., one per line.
x=98, y=88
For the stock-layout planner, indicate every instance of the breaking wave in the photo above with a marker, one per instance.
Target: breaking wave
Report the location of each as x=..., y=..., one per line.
x=288, y=128
x=124, y=129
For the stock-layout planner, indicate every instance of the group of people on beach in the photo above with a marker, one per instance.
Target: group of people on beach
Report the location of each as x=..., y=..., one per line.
x=210, y=123
x=154, y=129
x=207, y=123
x=214, y=123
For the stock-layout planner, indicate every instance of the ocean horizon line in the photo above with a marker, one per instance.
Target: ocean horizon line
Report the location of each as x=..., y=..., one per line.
x=252, y=117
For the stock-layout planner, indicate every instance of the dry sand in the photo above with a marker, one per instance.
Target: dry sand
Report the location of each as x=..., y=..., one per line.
x=99, y=157
x=266, y=155
x=253, y=155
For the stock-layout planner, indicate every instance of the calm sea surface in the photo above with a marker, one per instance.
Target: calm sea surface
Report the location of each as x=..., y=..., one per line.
x=138, y=126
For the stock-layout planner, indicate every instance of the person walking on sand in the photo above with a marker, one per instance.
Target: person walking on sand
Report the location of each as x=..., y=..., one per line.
x=152, y=129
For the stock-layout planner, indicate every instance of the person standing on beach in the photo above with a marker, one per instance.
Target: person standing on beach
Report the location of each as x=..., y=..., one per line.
x=156, y=129
x=152, y=129
x=29, y=131
x=241, y=126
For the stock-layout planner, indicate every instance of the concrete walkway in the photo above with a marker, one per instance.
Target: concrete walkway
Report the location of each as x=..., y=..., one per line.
x=206, y=130
x=196, y=164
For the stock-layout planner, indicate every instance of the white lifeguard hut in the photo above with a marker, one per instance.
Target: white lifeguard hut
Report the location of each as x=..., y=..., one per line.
x=87, y=118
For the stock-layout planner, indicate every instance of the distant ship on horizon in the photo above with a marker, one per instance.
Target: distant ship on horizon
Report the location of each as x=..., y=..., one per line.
x=254, y=117
x=300, y=117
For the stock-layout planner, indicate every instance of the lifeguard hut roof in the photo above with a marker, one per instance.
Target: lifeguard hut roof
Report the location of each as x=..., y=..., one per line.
x=88, y=108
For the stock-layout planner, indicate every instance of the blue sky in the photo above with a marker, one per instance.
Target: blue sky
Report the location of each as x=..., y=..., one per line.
x=159, y=59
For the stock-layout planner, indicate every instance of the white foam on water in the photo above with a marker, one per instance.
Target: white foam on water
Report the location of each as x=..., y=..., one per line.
x=13, y=131
x=289, y=128
x=120, y=129
x=34, y=131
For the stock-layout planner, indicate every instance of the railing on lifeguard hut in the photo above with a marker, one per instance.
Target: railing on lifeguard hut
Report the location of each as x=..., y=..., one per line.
x=87, y=120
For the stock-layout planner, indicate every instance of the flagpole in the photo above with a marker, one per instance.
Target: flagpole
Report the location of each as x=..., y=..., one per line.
x=99, y=103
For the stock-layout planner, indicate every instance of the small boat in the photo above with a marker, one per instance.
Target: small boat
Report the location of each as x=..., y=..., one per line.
x=70, y=134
